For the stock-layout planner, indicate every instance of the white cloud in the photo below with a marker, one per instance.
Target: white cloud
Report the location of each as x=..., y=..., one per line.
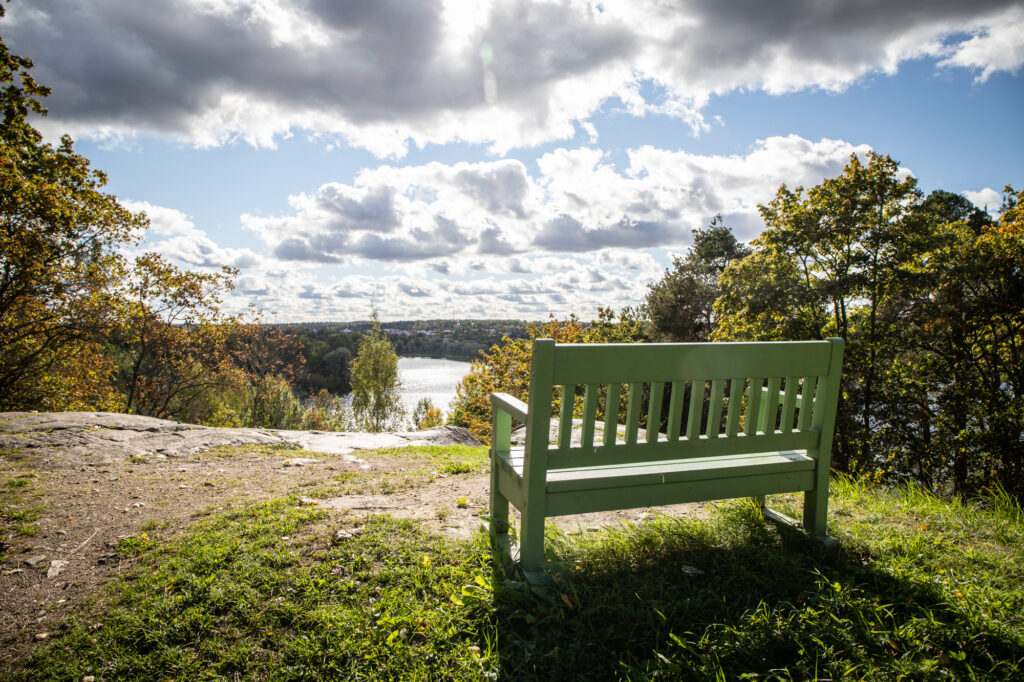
x=385, y=74
x=996, y=45
x=986, y=199
x=173, y=234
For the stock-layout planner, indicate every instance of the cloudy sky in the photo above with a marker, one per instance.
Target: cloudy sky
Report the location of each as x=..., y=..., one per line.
x=492, y=158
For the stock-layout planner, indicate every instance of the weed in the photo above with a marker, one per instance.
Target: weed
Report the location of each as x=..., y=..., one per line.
x=16, y=483
x=26, y=530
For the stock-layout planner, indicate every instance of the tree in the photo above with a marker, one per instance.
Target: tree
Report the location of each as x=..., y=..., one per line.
x=336, y=364
x=376, y=389
x=679, y=306
x=506, y=367
x=425, y=415
x=826, y=264
x=173, y=336
x=59, y=239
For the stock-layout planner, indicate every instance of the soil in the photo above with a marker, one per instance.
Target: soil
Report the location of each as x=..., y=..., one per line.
x=94, y=479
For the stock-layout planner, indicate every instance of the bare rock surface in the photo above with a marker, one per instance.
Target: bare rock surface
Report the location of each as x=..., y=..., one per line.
x=77, y=438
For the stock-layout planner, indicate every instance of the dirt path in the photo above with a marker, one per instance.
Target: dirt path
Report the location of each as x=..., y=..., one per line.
x=73, y=486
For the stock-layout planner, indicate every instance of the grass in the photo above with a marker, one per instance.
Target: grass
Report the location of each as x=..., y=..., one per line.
x=920, y=588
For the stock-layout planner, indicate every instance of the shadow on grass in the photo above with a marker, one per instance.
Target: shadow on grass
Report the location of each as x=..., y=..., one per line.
x=734, y=597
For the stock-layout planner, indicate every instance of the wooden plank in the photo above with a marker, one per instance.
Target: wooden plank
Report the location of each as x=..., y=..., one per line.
x=694, y=469
x=565, y=416
x=753, y=404
x=732, y=419
x=513, y=406
x=654, y=411
x=589, y=413
x=611, y=413
x=789, y=403
x=714, y=425
x=631, y=497
x=696, y=409
x=680, y=449
x=810, y=385
x=675, y=410
x=624, y=363
x=633, y=407
x=770, y=408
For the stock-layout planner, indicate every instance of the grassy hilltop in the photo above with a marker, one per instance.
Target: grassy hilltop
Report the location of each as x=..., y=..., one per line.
x=921, y=588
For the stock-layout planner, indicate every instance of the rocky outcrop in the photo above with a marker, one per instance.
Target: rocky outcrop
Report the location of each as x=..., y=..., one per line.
x=104, y=437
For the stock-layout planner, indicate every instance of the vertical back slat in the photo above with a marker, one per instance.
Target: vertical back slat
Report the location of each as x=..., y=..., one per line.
x=770, y=408
x=714, y=425
x=654, y=411
x=675, y=410
x=636, y=396
x=589, y=412
x=732, y=419
x=754, y=404
x=696, y=409
x=611, y=413
x=806, y=401
x=565, y=416
x=789, y=404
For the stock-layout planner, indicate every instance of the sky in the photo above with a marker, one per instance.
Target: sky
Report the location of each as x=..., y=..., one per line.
x=504, y=158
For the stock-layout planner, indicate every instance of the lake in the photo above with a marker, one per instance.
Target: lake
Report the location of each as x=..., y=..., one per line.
x=430, y=378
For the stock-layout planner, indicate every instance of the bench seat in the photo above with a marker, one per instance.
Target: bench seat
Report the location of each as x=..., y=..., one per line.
x=587, y=489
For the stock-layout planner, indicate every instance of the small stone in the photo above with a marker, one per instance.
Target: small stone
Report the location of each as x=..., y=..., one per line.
x=307, y=501
x=89, y=678
x=34, y=561
x=691, y=570
x=300, y=461
x=138, y=504
x=40, y=636
x=347, y=533
x=209, y=484
x=61, y=532
x=56, y=566
x=12, y=571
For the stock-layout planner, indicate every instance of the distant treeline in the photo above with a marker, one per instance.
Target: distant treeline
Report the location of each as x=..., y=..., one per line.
x=328, y=347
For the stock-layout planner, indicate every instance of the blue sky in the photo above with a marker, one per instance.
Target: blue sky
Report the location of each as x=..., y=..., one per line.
x=504, y=158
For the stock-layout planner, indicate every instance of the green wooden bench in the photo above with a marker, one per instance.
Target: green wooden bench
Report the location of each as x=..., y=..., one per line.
x=744, y=420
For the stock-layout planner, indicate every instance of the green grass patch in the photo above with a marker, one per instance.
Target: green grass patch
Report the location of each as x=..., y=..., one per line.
x=920, y=588
x=446, y=459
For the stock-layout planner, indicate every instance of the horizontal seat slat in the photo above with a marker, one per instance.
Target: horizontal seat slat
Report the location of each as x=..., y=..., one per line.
x=633, y=496
x=671, y=471
x=569, y=458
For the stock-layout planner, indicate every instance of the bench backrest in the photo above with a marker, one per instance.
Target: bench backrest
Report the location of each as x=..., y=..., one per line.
x=724, y=398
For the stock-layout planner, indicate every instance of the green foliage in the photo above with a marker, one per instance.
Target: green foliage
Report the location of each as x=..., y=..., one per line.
x=425, y=415
x=679, y=306
x=59, y=240
x=172, y=336
x=376, y=390
x=927, y=295
x=506, y=368
x=325, y=412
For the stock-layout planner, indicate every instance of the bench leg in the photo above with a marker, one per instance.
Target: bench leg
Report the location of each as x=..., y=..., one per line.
x=498, y=510
x=531, y=541
x=816, y=511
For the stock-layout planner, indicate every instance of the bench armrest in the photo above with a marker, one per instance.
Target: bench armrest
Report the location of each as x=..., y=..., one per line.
x=513, y=406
